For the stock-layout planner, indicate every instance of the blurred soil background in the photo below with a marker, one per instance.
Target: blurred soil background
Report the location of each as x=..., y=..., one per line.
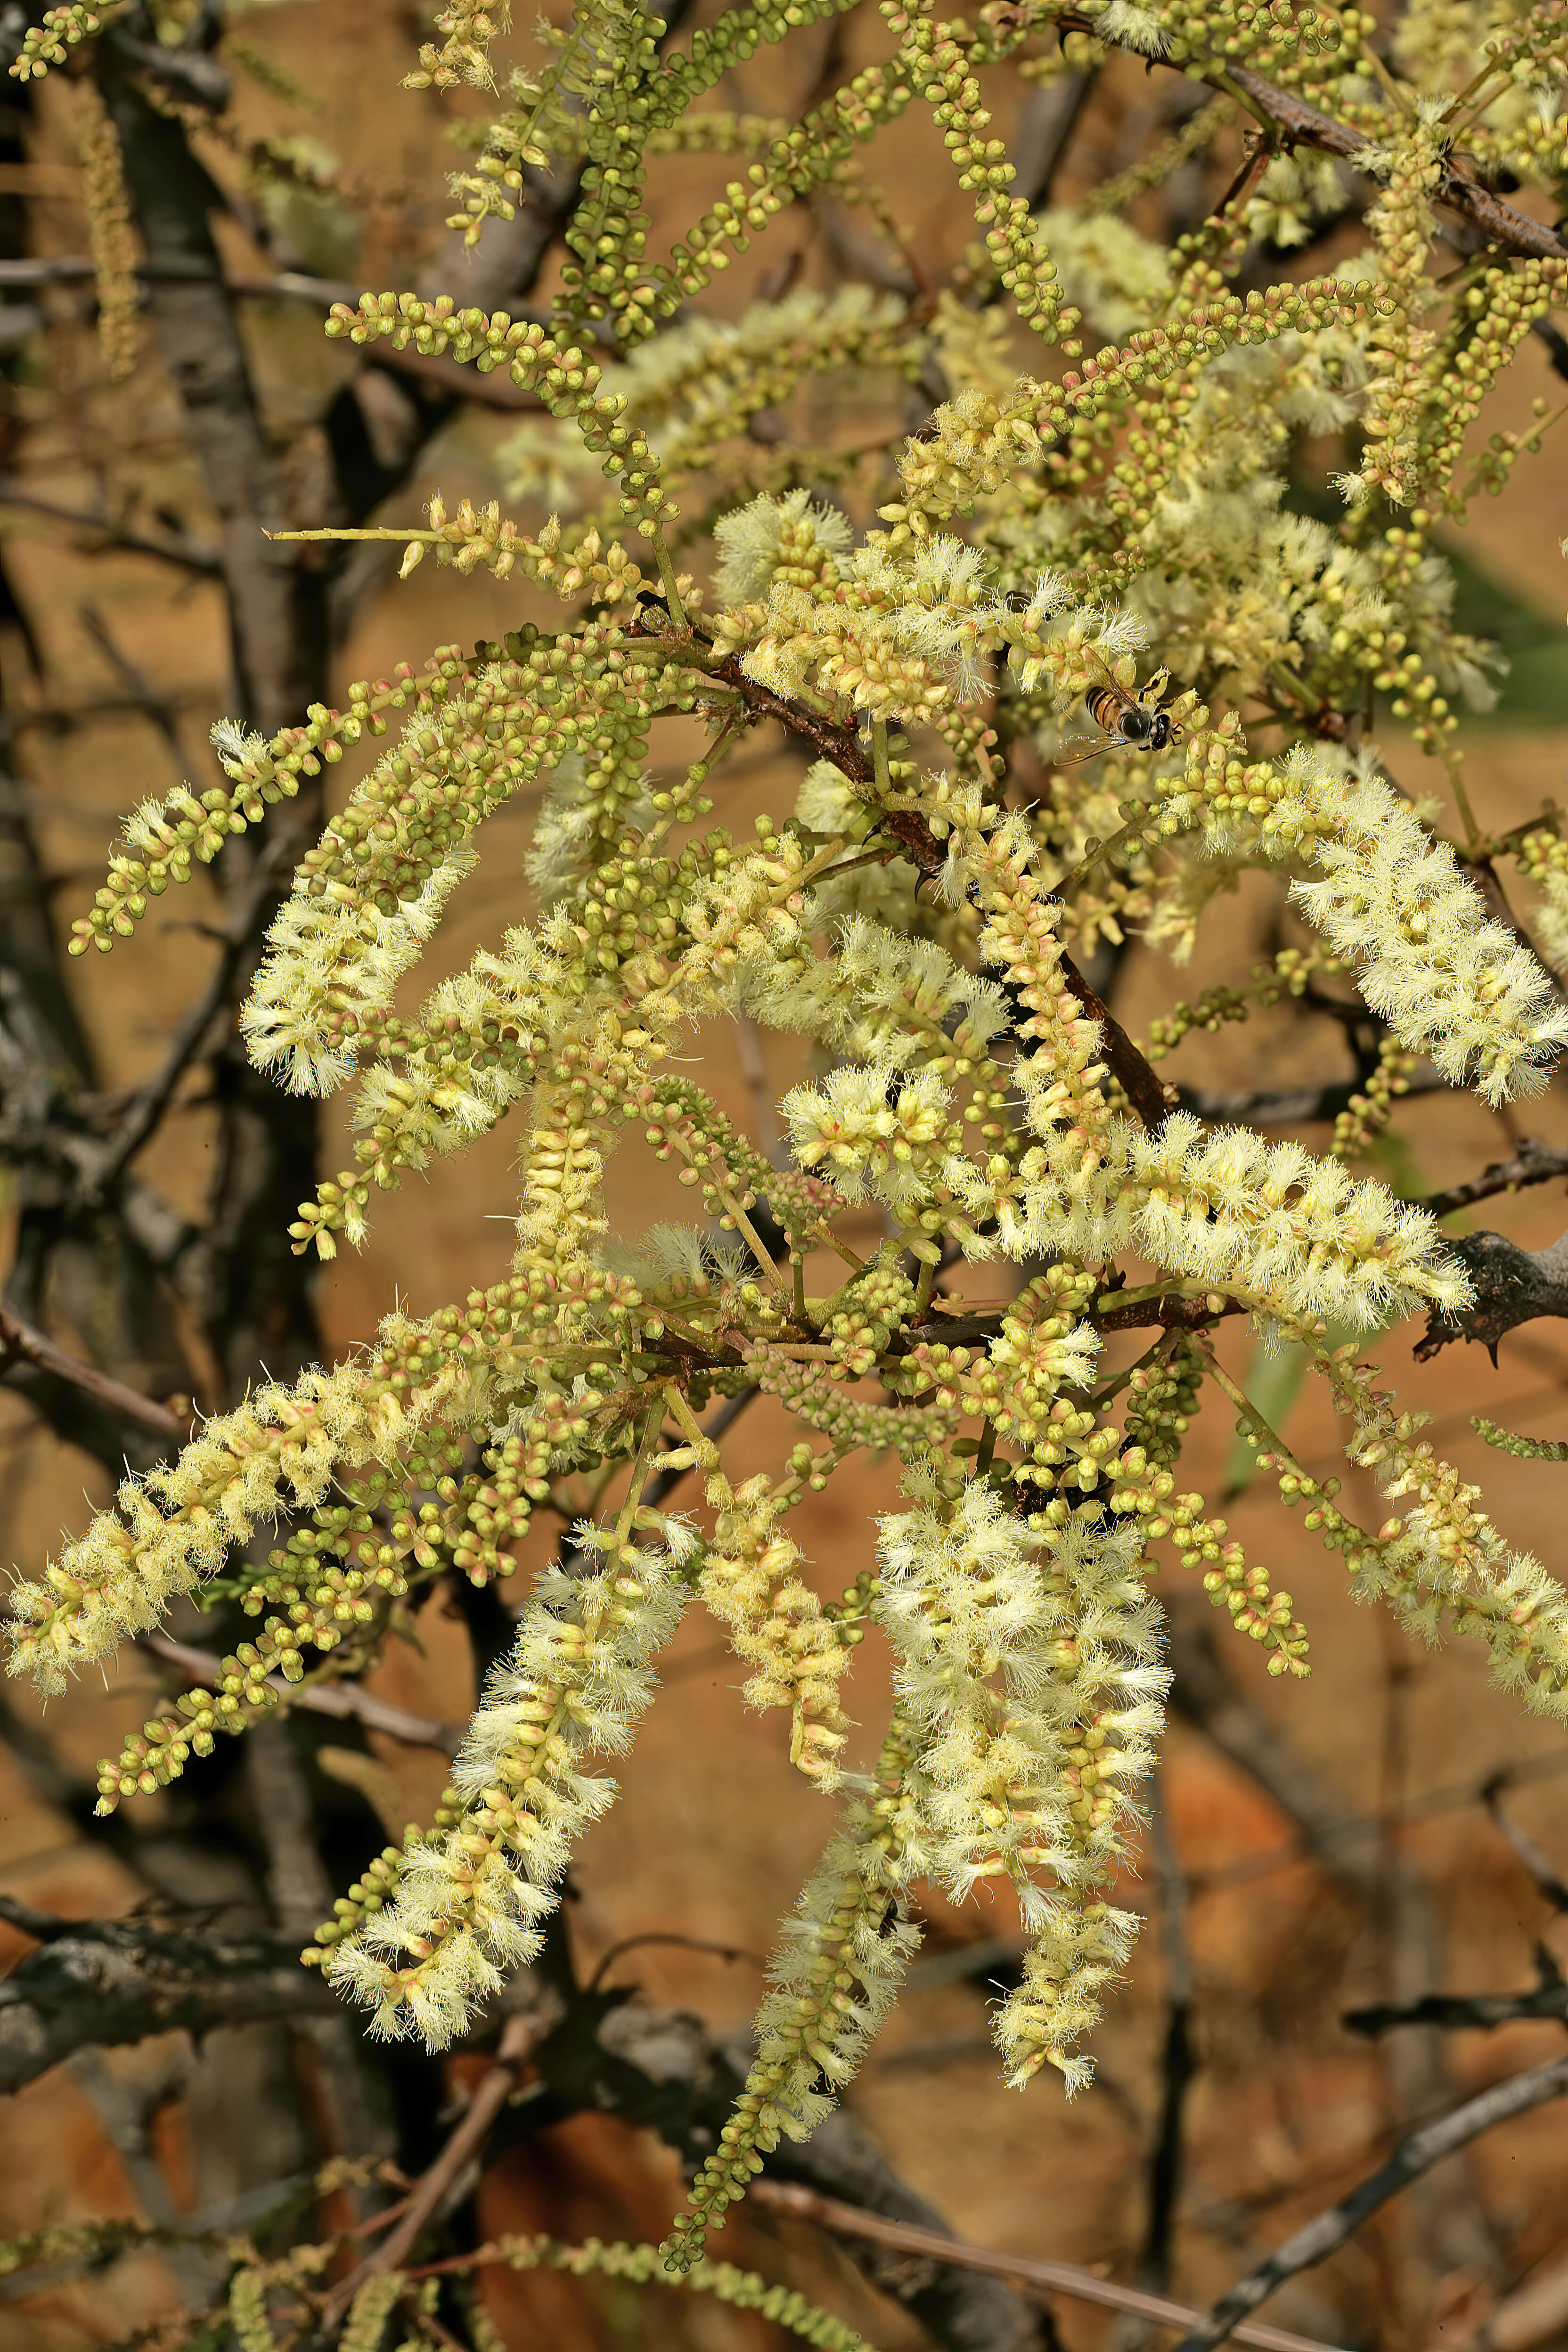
x=1323, y=1845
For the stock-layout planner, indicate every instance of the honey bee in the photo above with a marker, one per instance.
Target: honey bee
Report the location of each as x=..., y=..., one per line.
x=1132, y=723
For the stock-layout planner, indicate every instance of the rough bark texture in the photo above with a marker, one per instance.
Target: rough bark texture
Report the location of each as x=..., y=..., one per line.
x=106, y=1981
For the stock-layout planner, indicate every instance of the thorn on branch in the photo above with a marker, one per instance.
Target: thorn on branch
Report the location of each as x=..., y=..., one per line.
x=1512, y=1286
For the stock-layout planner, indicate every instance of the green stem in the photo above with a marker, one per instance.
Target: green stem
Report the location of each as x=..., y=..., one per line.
x=853, y=865
x=1462, y=798
x=399, y=533
x=1468, y=95
x=1311, y=702
x=681, y=1412
x=640, y=1470
x=1549, y=819
x=925, y=1283
x=879, y=757
x=1100, y=850
x=824, y=1234
x=1219, y=79
x=1239, y=1399
x=672, y=596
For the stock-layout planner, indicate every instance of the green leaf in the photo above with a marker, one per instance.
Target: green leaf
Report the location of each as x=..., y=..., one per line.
x=1535, y=691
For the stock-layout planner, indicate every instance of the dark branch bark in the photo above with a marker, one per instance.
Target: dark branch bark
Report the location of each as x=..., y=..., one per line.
x=271, y=598
x=1512, y=1286
x=1533, y=1163
x=1524, y=1847
x=1299, y=124
x=1482, y=2011
x=1180, y=2061
x=1291, y=1107
x=660, y=2069
x=103, y=1982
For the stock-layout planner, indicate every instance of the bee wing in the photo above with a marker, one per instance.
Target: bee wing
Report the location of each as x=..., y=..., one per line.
x=1128, y=701
x=1073, y=754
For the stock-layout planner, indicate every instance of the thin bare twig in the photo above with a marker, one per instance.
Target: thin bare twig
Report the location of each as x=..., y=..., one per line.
x=1294, y=1106
x=1533, y=1163
x=1416, y=2154
x=168, y=548
x=1180, y=2059
x=67, y=269
x=348, y=1701
x=1537, y=1862
x=21, y=1342
x=1300, y=124
x=1458, y=2012
x=1055, y=2278
x=664, y=1935
x=521, y=2033
x=147, y=1106
x=1452, y=1797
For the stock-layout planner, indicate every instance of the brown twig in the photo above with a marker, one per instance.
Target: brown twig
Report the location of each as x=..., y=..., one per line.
x=1147, y=1093
x=1533, y=1163
x=168, y=548
x=1535, y=1860
x=1056, y=2278
x=1414, y=2156
x=830, y=740
x=1145, y=1090
x=350, y=1702
x=1162, y=1314
x=21, y=1342
x=520, y=2034
x=1302, y=125
x=663, y=1936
